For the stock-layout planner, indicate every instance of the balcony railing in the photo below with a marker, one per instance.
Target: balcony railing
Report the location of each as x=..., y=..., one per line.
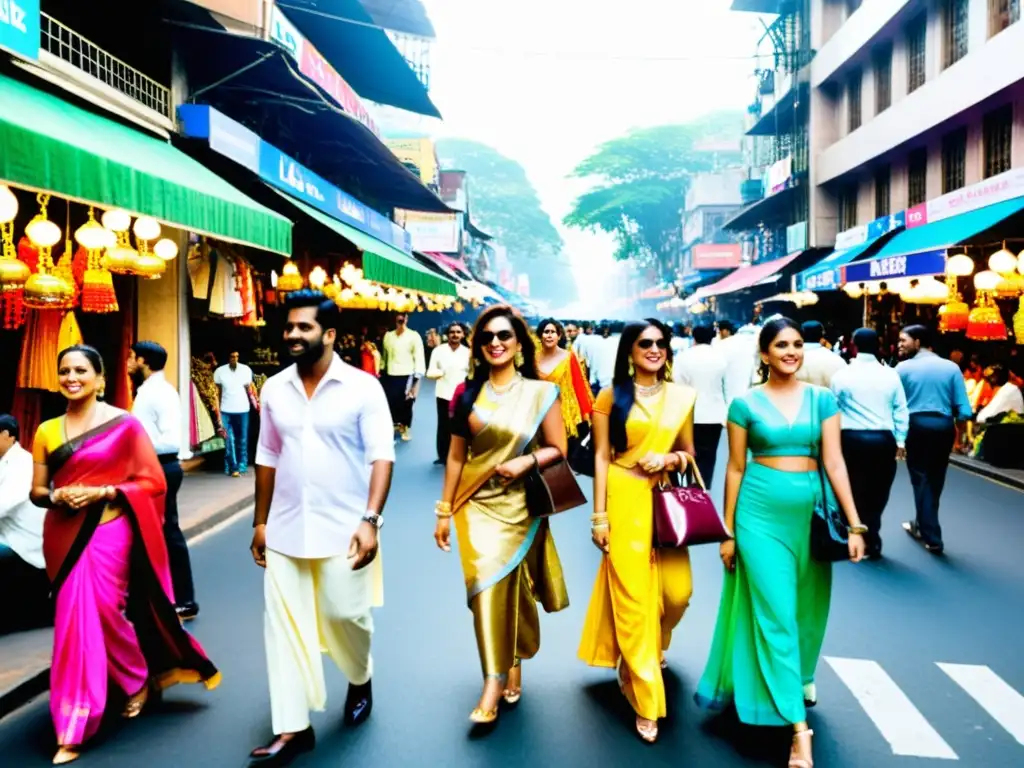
x=416, y=52
x=751, y=191
x=81, y=53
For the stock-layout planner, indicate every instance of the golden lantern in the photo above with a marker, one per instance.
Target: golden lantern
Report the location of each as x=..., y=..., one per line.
x=13, y=273
x=1018, y=322
x=1002, y=261
x=317, y=278
x=986, y=280
x=42, y=232
x=985, y=323
x=117, y=220
x=149, y=266
x=146, y=228
x=45, y=290
x=8, y=205
x=290, y=279
x=93, y=236
x=960, y=265
x=166, y=249
x=121, y=259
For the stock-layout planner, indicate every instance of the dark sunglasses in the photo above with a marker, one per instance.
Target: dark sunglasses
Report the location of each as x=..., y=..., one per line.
x=648, y=343
x=486, y=337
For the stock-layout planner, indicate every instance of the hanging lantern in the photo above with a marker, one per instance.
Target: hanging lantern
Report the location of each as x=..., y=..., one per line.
x=13, y=273
x=928, y=290
x=98, y=294
x=1009, y=286
x=93, y=236
x=146, y=228
x=986, y=281
x=42, y=232
x=985, y=323
x=1002, y=261
x=149, y=266
x=166, y=249
x=121, y=260
x=953, y=316
x=854, y=290
x=8, y=205
x=960, y=265
x=317, y=278
x=290, y=279
x=45, y=290
x=1018, y=322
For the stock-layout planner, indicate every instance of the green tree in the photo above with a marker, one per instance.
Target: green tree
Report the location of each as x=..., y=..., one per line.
x=641, y=181
x=505, y=204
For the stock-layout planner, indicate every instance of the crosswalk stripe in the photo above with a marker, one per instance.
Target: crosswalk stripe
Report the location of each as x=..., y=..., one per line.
x=895, y=716
x=994, y=694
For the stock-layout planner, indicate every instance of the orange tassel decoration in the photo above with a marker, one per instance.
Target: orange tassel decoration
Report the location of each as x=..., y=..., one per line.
x=98, y=288
x=12, y=307
x=985, y=323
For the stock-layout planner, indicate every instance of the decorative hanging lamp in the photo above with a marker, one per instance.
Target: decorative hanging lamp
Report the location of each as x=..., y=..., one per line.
x=985, y=323
x=1018, y=322
x=290, y=279
x=960, y=265
x=44, y=289
x=1002, y=262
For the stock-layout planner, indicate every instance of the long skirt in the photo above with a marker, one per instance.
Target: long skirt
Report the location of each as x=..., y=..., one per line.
x=774, y=608
x=93, y=640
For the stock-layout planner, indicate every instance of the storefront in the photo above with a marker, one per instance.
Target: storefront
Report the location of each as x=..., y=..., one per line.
x=94, y=215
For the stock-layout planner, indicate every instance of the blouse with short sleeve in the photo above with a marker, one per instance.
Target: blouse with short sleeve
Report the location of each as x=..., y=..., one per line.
x=605, y=401
x=769, y=433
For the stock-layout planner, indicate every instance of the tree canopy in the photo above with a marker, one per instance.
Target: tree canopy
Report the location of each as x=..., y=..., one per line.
x=641, y=180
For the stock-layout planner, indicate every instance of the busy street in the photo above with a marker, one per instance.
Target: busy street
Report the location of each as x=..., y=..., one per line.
x=921, y=663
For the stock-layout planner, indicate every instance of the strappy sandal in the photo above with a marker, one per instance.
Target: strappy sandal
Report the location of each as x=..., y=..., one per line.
x=483, y=716
x=136, y=704
x=512, y=695
x=66, y=755
x=795, y=761
x=647, y=731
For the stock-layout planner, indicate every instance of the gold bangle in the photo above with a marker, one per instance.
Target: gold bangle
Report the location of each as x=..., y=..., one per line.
x=860, y=530
x=600, y=527
x=443, y=509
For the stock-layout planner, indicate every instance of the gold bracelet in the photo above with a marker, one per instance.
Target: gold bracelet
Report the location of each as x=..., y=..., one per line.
x=600, y=526
x=443, y=509
x=860, y=530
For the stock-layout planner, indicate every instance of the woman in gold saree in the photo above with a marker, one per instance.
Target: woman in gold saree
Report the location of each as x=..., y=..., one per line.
x=643, y=428
x=506, y=423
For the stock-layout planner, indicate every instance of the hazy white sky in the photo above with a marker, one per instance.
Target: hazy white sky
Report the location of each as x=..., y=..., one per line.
x=546, y=81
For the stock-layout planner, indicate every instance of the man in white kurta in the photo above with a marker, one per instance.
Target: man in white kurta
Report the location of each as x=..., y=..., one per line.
x=323, y=469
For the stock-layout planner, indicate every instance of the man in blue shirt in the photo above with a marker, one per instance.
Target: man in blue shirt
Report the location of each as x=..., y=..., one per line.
x=874, y=423
x=938, y=402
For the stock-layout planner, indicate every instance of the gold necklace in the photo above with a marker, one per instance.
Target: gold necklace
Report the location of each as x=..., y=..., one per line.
x=650, y=391
x=495, y=392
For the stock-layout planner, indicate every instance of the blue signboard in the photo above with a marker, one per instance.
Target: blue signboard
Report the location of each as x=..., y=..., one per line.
x=19, y=27
x=886, y=224
x=237, y=142
x=911, y=265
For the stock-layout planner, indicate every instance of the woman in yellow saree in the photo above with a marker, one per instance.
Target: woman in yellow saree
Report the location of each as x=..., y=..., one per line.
x=506, y=423
x=562, y=367
x=643, y=428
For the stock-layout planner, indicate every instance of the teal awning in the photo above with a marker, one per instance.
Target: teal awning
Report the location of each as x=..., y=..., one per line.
x=951, y=231
x=826, y=275
x=382, y=263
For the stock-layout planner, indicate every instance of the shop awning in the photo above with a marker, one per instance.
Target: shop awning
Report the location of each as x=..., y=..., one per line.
x=918, y=264
x=766, y=209
x=454, y=263
x=382, y=263
x=745, y=277
x=827, y=274
x=50, y=145
x=952, y=231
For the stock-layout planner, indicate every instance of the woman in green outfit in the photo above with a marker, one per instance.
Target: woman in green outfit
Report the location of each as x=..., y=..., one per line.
x=775, y=597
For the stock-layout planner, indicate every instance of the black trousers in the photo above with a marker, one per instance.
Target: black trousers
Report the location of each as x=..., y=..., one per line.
x=26, y=602
x=705, y=442
x=177, y=547
x=929, y=443
x=444, y=429
x=871, y=462
x=401, y=406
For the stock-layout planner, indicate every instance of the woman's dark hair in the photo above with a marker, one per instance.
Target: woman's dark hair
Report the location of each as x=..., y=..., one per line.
x=482, y=369
x=91, y=354
x=623, y=388
x=558, y=327
x=769, y=332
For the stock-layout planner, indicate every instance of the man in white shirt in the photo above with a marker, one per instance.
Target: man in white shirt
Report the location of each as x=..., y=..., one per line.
x=1007, y=399
x=26, y=589
x=875, y=419
x=741, y=355
x=404, y=367
x=449, y=367
x=703, y=367
x=820, y=363
x=158, y=408
x=323, y=470
x=235, y=383
x=603, y=350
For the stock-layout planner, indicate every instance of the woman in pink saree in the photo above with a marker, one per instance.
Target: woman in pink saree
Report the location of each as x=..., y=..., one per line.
x=99, y=478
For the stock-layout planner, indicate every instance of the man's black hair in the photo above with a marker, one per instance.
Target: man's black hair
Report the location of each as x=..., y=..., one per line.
x=152, y=353
x=9, y=424
x=328, y=316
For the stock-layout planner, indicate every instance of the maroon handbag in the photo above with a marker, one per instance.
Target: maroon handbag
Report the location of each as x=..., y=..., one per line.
x=685, y=516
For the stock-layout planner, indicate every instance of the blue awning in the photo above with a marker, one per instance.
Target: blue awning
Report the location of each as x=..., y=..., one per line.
x=827, y=274
x=952, y=231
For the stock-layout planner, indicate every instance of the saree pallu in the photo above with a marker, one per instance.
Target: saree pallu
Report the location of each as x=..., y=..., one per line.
x=509, y=559
x=114, y=601
x=576, y=398
x=640, y=593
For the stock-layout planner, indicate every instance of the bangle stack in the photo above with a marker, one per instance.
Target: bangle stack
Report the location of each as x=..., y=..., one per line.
x=858, y=529
x=443, y=509
x=599, y=521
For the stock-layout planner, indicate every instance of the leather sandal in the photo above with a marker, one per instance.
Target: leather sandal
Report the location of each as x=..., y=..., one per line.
x=795, y=760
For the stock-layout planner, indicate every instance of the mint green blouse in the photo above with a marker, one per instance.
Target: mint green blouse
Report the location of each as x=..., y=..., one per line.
x=768, y=431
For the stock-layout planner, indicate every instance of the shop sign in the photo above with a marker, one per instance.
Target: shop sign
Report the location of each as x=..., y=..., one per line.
x=825, y=280
x=886, y=224
x=911, y=265
x=780, y=175
x=19, y=27
x=725, y=256
x=314, y=66
x=796, y=237
x=431, y=232
x=997, y=189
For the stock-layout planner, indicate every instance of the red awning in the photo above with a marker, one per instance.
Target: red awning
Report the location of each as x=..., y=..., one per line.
x=744, y=277
x=657, y=292
x=452, y=262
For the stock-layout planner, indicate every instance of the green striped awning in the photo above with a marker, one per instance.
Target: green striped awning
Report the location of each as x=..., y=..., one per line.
x=382, y=263
x=50, y=145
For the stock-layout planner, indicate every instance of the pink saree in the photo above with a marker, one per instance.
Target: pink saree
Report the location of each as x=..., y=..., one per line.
x=115, y=615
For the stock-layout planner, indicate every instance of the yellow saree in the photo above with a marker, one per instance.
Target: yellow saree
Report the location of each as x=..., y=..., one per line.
x=576, y=398
x=508, y=558
x=641, y=592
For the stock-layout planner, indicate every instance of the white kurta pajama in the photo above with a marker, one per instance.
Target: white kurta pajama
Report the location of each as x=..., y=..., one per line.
x=322, y=448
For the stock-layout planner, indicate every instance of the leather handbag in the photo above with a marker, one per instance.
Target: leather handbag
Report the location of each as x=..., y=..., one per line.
x=552, y=489
x=830, y=535
x=581, y=457
x=685, y=516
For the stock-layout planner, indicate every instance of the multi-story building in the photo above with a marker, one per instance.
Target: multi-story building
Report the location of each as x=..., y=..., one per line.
x=712, y=199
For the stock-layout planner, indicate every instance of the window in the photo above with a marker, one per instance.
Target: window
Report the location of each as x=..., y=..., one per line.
x=917, y=177
x=1001, y=14
x=955, y=25
x=917, y=40
x=848, y=207
x=883, y=78
x=883, y=192
x=954, y=160
x=853, y=100
x=997, y=129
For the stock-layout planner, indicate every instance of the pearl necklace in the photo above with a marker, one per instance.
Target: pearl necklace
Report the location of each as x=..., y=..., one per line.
x=650, y=391
x=498, y=393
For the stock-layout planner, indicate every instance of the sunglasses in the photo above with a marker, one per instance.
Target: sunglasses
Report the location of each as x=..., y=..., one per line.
x=648, y=343
x=486, y=337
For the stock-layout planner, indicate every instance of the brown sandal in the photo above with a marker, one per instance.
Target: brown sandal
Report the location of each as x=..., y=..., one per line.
x=136, y=704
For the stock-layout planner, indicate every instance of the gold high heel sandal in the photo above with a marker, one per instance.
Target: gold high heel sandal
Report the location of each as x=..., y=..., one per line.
x=136, y=704
x=513, y=695
x=483, y=716
x=66, y=755
x=795, y=761
x=647, y=731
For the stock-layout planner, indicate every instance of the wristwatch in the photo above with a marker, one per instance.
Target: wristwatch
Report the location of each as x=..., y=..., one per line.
x=377, y=521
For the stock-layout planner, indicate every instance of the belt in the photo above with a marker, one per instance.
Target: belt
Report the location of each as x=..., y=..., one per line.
x=168, y=458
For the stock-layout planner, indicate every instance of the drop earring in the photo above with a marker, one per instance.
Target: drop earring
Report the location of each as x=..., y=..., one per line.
x=518, y=359
x=631, y=369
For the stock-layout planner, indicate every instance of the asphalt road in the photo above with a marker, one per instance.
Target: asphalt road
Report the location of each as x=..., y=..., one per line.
x=885, y=701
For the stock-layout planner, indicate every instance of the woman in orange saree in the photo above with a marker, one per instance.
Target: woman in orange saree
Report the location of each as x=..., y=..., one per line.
x=99, y=478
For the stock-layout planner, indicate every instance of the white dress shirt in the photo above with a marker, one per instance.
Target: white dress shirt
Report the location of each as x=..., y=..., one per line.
x=742, y=359
x=21, y=521
x=703, y=368
x=871, y=396
x=322, y=448
x=820, y=365
x=234, y=395
x=1007, y=399
x=584, y=347
x=449, y=367
x=604, y=352
x=158, y=408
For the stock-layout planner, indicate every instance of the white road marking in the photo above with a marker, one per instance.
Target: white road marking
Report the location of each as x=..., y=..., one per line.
x=246, y=511
x=994, y=694
x=895, y=716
